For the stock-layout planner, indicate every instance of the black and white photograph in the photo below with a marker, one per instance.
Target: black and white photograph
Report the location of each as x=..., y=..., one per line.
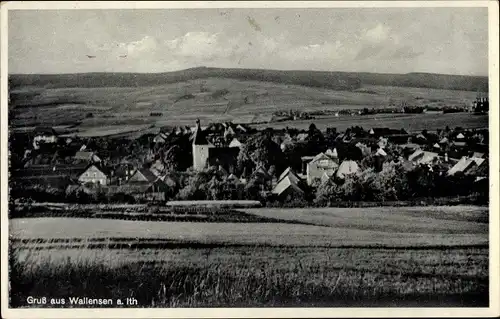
x=235, y=156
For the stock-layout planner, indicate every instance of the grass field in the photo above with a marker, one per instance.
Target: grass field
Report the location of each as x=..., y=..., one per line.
x=243, y=277
x=330, y=227
x=433, y=256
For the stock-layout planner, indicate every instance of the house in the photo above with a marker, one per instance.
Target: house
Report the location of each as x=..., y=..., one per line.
x=301, y=137
x=122, y=172
x=332, y=153
x=385, y=131
x=423, y=157
x=226, y=157
x=154, y=191
x=348, y=167
x=381, y=152
x=158, y=168
x=319, y=165
x=89, y=157
x=142, y=175
x=261, y=172
x=160, y=138
x=290, y=174
x=382, y=142
x=236, y=143
x=262, y=175
x=144, y=185
x=421, y=139
x=229, y=130
x=46, y=135
x=444, y=141
x=459, y=143
x=243, y=128
x=465, y=164
x=233, y=178
x=287, y=188
x=95, y=174
x=398, y=138
x=214, y=152
x=480, y=171
x=286, y=144
x=201, y=148
x=326, y=177
x=411, y=147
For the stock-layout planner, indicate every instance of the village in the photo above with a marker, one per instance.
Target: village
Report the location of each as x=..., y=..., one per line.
x=226, y=161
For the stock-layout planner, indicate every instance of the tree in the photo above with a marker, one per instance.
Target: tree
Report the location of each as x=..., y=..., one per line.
x=260, y=149
x=196, y=187
x=352, y=188
x=172, y=158
x=315, y=141
x=328, y=193
x=293, y=155
x=421, y=181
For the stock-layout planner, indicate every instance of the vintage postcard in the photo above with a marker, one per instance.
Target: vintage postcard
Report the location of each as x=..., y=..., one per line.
x=249, y=159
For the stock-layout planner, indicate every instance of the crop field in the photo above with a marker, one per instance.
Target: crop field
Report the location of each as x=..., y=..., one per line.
x=224, y=99
x=327, y=257
x=410, y=122
x=110, y=130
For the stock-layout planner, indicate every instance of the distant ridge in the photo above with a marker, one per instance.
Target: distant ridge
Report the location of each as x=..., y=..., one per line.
x=325, y=79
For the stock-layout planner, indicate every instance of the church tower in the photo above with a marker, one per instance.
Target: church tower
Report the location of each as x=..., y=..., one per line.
x=200, y=148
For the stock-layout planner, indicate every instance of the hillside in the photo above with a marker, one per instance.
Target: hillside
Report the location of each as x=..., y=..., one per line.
x=330, y=80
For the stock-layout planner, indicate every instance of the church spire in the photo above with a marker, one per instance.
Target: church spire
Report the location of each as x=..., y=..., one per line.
x=199, y=135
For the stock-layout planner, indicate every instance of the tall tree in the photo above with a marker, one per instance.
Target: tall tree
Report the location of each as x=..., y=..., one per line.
x=260, y=149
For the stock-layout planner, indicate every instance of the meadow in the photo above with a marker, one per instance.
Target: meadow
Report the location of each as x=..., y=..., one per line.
x=405, y=256
x=257, y=277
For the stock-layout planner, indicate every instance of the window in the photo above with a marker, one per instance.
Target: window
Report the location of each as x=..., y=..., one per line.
x=324, y=163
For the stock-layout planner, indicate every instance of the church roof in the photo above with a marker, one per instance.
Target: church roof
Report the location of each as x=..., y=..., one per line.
x=199, y=137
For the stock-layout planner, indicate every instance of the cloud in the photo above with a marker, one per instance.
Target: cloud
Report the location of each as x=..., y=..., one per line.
x=318, y=52
x=377, y=34
x=369, y=50
x=145, y=45
x=383, y=43
x=197, y=48
x=405, y=52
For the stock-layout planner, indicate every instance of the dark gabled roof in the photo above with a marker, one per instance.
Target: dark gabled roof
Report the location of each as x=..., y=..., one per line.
x=84, y=155
x=386, y=131
x=260, y=170
x=479, y=170
x=225, y=156
x=148, y=175
x=215, y=127
x=45, y=130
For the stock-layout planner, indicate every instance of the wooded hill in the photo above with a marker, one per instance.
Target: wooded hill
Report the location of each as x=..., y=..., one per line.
x=330, y=80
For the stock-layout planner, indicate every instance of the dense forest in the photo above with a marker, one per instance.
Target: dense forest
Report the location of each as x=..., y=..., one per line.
x=331, y=80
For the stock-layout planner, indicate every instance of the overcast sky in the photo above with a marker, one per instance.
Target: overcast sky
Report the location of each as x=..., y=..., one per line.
x=387, y=40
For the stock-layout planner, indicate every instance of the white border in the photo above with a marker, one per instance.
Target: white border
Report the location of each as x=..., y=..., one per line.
x=493, y=310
